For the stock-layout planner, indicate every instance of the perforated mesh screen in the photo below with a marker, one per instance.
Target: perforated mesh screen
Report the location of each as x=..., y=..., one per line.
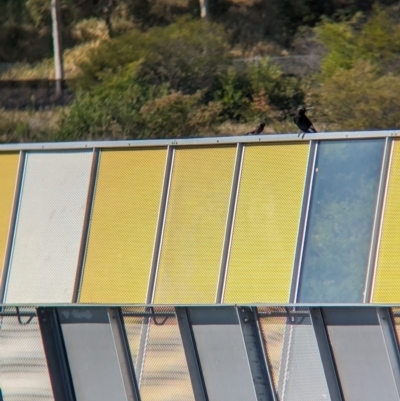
x=23, y=369
x=158, y=356
x=195, y=225
x=387, y=280
x=49, y=227
x=123, y=226
x=8, y=174
x=293, y=354
x=266, y=224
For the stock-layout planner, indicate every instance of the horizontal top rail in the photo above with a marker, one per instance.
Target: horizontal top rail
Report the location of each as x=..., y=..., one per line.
x=191, y=305
x=226, y=140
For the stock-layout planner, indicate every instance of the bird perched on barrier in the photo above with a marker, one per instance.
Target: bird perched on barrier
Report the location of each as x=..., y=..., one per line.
x=257, y=131
x=303, y=122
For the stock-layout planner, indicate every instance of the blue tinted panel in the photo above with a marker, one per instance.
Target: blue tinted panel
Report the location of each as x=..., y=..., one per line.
x=340, y=221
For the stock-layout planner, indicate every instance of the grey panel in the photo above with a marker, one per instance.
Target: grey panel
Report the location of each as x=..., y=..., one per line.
x=24, y=374
x=340, y=223
x=93, y=359
x=222, y=354
x=360, y=354
x=49, y=226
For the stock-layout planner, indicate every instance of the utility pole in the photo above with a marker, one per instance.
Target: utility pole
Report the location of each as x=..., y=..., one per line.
x=57, y=45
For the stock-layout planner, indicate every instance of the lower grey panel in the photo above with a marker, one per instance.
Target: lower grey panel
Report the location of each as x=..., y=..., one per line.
x=222, y=354
x=92, y=355
x=360, y=354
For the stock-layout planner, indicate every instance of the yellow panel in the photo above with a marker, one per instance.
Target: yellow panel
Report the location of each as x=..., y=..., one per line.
x=195, y=225
x=123, y=226
x=266, y=224
x=387, y=280
x=8, y=176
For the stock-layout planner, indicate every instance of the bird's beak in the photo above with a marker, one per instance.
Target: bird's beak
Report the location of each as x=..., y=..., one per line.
x=309, y=108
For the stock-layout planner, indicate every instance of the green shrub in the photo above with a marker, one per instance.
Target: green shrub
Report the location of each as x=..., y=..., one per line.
x=274, y=94
x=360, y=99
x=188, y=55
x=179, y=115
x=233, y=94
x=376, y=41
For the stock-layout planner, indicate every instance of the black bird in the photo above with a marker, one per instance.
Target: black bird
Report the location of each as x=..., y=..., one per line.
x=303, y=122
x=257, y=131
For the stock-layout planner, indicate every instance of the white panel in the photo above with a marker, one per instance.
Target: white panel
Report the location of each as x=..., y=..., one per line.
x=49, y=227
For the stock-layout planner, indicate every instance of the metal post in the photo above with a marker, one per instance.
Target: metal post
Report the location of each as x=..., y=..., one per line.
x=312, y=159
x=57, y=361
x=122, y=347
x=378, y=219
x=192, y=359
x=252, y=338
x=161, y=223
x=86, y=225
x=229, y=224
x=13, y=224
x=326, y=355
x=391, y=344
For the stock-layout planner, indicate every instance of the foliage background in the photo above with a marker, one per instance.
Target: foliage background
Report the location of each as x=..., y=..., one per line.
x=154, y=68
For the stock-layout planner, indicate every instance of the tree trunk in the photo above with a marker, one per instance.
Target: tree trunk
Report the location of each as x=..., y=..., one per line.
x=57, y=45
x=204, y=9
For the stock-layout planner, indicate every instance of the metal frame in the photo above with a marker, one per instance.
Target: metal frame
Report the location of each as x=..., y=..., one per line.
x=325, y=351
x=123, y=353
x=230, y=222
x=380, y=220
x=257, y=316
x=376, y=228
x=57, y=361
x=161, y=224
x=254, y=344
x=192, y=358
x=86, y=225
x=13, y=224
x=392, y=346
x=290, y=137
x=304, y=217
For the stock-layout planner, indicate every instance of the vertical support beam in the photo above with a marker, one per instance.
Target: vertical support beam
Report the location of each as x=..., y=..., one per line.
x=326, y=355
x=13, y=223
x=57, y=362
x=192, y=359
x=123, y=352
x=255, y=353
x=264, y=354
x=391, y=344
x=156, y=260
x=57, y=45
x=230, y=221
x=86, y=225
x=303, y=221
x=376, y=228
